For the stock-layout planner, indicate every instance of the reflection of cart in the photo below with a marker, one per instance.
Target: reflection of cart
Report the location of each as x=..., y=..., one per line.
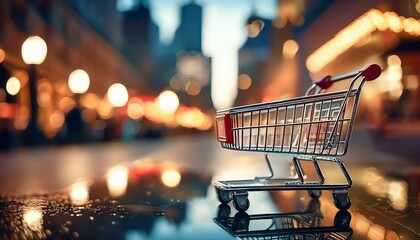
x=304, y=225
x=315, y=127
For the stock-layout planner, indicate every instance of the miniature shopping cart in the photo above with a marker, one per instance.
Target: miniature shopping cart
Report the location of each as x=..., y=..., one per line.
x=315, y=127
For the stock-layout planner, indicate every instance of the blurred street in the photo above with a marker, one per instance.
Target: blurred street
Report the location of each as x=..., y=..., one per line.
x=71, y=187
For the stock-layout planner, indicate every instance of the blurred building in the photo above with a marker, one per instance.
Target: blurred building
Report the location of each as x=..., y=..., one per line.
x=138, y=31
x=181, y=65
x=346, y=36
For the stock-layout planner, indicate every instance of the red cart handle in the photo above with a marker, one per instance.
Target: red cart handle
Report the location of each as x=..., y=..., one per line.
x=370, y=73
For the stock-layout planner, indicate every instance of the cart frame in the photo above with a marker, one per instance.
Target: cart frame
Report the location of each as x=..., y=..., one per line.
x=315, y=127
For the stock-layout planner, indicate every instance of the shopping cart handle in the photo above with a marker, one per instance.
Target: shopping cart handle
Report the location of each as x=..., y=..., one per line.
x=325, y=83
x=370, y=73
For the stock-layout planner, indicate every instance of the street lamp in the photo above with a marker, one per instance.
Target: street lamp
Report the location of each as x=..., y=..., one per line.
x=34, y=51
x=117, y=95
x=79, y=81
x=76, y=129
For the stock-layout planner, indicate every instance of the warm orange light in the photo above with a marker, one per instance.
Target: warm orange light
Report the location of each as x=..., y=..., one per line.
x=32, y=218
x=57, y=119
x=79, y=193
x=376, y=232
x=193, y=118
x=244, y=81
x=117, y=180
x=22, y=117
x=22, y=76
x=359, y=29
x=2, y=55
x=13, y=86
x=45, y=91
x=104, y=109
x=290, y=48
x=193, y=88
x=90, y=100
x=136, y=108
x=171, y=178
x=66, y=104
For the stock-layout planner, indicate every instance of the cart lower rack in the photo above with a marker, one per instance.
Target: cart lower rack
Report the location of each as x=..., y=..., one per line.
x=315, y=127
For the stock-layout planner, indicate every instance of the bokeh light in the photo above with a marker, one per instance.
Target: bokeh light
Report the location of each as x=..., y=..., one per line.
x=136, y=108
x=79, y=81
x=171, y=178
x=168, y=102
x=117, y=95
x=244, y=81
x=2, y=55
x=117, y=180
x=13, y=86
x=34, y=50
x=79, y=193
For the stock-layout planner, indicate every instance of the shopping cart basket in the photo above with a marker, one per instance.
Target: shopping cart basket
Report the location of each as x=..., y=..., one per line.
x=315, y=127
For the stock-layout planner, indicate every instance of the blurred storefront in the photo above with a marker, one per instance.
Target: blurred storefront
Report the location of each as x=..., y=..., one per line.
x=73, y=42
x=348, y=35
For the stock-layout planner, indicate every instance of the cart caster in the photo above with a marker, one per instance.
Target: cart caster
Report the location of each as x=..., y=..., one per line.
x=342, y=200
x=342, y=219
x=223, y=211
x=223, y=196
x=241, y=221
x=241, y=201
x=316, y=193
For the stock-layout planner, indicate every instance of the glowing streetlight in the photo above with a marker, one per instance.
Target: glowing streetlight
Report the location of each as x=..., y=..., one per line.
x=34, y=52
x=13, y=86
x=78, y=81
x=168, y=102
x=78, y=84
x=117, y=95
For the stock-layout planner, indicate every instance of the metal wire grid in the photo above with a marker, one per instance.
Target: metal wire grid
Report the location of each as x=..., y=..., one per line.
x=317, y=125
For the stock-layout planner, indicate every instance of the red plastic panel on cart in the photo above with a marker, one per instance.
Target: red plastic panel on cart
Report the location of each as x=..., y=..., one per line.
x=224, y=129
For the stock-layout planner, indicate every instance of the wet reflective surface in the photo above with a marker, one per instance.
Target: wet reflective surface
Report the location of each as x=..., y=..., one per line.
x=162, y=190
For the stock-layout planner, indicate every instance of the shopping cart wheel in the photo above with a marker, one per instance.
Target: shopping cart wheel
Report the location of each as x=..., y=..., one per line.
x=316, y=193
x=223, y=211
x=223, y=196
x=241, y=201
x=342, y=219
x=342, y=200
x=241, y=221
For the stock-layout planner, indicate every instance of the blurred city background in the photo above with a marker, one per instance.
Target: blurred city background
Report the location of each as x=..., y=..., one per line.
x=74, y=71
x=107, y=111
